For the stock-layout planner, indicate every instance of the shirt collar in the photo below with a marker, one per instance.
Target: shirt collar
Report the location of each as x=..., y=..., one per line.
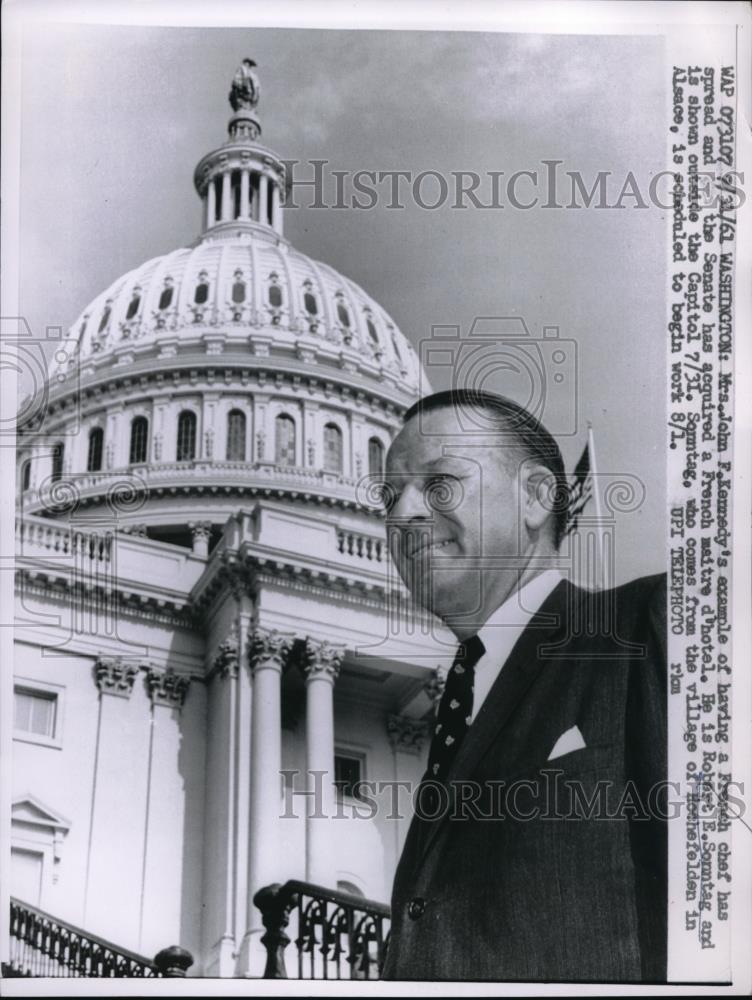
x=510, y=618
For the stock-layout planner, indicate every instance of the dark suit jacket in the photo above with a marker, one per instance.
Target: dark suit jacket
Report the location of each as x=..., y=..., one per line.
x=567, y=880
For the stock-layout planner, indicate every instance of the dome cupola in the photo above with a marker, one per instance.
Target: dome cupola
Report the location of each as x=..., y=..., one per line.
x=242, y=183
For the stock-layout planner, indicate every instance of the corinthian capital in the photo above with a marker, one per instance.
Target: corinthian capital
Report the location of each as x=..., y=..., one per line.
x=166, y=687
x=200, y=529
x=268, y=648
x=434, y=686
x=113, y=676
x=406, y=734
x=321, y=659
x=226, y=660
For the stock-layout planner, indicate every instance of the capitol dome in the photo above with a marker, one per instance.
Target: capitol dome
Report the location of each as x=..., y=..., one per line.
x=233, y=367
x=247, y=286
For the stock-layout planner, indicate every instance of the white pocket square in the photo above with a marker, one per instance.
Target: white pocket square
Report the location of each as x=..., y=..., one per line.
x=567, y=742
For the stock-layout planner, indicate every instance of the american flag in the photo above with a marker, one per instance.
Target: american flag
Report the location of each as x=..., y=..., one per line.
x=580, y=490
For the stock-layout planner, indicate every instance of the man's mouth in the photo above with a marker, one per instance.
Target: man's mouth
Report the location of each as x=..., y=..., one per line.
x=424, y=545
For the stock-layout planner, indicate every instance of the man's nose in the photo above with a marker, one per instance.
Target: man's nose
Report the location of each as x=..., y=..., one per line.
x=412, y=505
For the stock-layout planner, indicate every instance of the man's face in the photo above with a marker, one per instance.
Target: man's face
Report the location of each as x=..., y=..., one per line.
x=453, y=518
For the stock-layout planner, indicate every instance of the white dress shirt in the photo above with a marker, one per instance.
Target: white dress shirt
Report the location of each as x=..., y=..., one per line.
x=503, y=629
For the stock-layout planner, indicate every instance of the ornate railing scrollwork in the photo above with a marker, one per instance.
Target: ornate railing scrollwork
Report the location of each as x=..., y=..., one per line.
x=40, y=945
x=338, y=935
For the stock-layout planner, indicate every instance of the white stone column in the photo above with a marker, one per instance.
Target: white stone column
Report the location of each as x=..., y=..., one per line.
x=276, y=210
x=201, y=533
x=320, y=665
x=226, y=193
x=244, y=204
x=211, y=203
x=268, y=652
x=263, y=199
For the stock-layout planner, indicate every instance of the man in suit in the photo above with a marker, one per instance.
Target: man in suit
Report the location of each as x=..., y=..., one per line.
x=538, y=850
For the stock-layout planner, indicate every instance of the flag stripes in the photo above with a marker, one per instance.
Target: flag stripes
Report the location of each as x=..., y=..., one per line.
x=580, y=490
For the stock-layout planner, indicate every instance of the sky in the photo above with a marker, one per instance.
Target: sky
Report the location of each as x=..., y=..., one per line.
x=115, y=119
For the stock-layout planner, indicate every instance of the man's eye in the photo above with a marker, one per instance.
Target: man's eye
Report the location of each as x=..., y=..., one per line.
x=443, y=492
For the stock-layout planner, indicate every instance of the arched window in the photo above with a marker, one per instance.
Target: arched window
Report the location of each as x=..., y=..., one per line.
x=375, y=457
x=344, y=315
x=165, y=298
x=284, y=440
x=94, y=458
x=275, y=296
x=105, y=319
x=186, y=450
x=201, y=295
x=133, y=305
x=139, y=440
x=58, y=454
x=238, y=292
x=236, y=436
x=311, y=306
x=332, y=448
x=26, y=475
x=372, y=331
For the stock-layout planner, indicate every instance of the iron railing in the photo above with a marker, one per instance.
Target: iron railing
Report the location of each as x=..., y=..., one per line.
x=41, y=945
x=337, y=935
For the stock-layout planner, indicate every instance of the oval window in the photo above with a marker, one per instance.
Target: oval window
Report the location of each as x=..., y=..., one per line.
x=133, y=307
x=275, y=296
x=105, y=318
x=165, y=298
x=201, y=294
x=344, y=315
x=238, y=292
x=309, y=300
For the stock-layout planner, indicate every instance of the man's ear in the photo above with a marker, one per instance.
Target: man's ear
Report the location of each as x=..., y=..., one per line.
x=539, y=484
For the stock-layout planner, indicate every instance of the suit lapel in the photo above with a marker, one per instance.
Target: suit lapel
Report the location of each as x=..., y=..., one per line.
x=520, y=669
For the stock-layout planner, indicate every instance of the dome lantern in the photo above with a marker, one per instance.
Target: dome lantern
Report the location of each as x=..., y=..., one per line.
x=242, y=183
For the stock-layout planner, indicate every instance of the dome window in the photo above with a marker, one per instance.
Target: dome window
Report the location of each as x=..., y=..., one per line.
x=395, y=345
x=344, y=315
x=332, y=448
x=284, y=440
x=236, y=436
x=311, y=306
x=201, y=295
x=58, y=455
x=26, y=475
x=186, y=448
x=372, y=331
x=82, y=329
x=275, y=296
x=165, y=299
x=104, y=320
x=238, y=292
x=133, y=305
x=139, y=440
x=94, y=458
x=375, y=457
